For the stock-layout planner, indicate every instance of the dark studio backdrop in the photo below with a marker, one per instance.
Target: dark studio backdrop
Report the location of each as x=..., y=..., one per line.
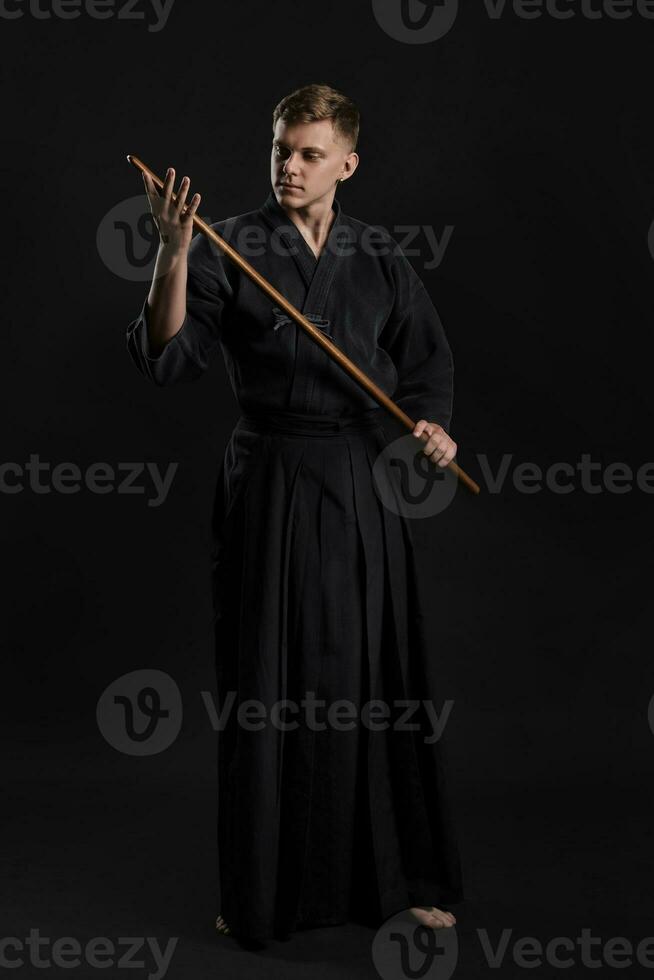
x=522, y=145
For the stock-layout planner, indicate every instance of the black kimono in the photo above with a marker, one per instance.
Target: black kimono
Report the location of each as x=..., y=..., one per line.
x=314, y=578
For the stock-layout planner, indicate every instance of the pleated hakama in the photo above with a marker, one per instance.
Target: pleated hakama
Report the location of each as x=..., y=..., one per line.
x=321, y=821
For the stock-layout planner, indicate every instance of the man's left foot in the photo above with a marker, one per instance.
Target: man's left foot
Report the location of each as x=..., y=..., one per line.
x=433, y=918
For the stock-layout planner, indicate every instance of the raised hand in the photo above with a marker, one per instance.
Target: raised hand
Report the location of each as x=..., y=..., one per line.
x=173, y=218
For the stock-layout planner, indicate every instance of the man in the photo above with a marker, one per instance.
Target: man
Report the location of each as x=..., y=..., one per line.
x=314, y=579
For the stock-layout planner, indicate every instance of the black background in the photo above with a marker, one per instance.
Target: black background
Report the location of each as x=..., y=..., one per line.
x=532, y=139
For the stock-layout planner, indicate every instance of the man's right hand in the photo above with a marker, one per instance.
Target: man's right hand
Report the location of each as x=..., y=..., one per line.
x=174, y=221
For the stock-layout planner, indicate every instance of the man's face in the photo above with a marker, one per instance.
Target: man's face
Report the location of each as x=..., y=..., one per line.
x=306, y=161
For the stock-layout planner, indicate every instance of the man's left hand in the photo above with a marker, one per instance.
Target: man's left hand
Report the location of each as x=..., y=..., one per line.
x=439, y=447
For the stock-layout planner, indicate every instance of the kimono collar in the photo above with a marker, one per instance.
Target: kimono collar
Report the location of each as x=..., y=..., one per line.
x=275, y=217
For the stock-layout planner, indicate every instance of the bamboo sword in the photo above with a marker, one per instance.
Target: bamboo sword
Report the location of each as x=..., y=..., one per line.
x=314, y=332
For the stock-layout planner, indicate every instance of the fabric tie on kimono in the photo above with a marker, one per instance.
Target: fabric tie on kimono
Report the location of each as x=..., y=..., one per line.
x=282, y=318
x=300, y=423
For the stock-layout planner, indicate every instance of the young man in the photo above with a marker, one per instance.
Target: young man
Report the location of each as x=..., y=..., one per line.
x=314, y=579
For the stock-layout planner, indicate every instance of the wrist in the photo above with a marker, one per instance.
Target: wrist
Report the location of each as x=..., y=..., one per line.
x=173, y=249
x=170, y=258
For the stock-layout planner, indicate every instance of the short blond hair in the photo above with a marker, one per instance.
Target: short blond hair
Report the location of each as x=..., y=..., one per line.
x=317, y=101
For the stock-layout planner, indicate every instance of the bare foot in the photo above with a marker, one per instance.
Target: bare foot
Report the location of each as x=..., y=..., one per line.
x=429, y=915
x=221, y=926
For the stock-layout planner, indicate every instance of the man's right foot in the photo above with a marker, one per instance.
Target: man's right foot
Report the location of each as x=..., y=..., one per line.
x=221, y=926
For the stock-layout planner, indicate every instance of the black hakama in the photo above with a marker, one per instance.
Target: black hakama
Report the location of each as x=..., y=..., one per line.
x=323, y=817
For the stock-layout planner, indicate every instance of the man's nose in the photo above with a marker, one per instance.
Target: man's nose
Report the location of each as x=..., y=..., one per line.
x=289, y=163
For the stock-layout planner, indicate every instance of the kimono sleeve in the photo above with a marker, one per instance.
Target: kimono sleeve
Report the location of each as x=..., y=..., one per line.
x=415, y=340
x=186, y=355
